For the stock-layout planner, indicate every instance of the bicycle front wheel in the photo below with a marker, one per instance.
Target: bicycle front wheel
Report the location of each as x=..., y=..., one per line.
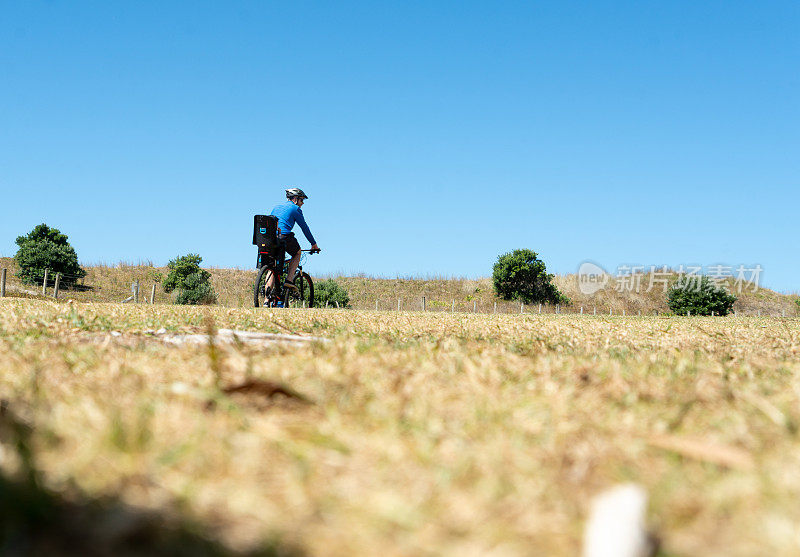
x=263, y=295
x=303, y=295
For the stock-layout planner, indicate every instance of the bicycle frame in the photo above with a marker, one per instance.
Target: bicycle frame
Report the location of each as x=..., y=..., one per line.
x=276, y=295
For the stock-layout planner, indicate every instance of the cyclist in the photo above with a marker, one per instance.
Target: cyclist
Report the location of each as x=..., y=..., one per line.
x=288, y=214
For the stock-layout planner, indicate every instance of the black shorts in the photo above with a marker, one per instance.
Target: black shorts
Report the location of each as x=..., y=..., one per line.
x=292, y=245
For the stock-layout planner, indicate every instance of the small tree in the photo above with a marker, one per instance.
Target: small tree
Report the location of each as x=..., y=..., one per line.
x=46, y=248
x=331, y=292
x=191, y=282
x=699, y=297
x=521, y=275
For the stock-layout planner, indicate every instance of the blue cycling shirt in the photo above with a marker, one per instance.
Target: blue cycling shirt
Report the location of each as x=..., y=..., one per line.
x=288, y=213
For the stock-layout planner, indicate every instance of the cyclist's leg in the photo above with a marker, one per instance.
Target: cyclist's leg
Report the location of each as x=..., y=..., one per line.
x=271, y=279
x=293, y=249
x=295, y=261
x=277, y=262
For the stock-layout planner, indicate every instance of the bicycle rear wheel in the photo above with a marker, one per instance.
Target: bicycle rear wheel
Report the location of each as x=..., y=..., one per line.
x=264, y=296
x=303, y=296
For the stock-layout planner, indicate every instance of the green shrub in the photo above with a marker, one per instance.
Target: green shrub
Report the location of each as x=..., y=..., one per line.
x=331, y=292
x=521, y=275
x=198, y=290
x=154, y=276
x=191, y=282
x=46, y=248
x=699, y=297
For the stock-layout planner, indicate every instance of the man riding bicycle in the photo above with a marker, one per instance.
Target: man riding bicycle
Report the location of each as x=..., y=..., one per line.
x=288, y=214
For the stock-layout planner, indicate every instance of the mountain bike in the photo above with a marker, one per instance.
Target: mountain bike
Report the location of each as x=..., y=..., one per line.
x=302, y=295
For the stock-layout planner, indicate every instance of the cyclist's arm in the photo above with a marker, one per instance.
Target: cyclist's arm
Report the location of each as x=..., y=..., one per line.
x=299, y=219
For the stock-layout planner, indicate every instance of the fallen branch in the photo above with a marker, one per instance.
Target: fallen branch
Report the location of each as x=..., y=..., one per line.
x=230, y=336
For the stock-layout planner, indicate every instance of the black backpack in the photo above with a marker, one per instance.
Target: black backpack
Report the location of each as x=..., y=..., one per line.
x=265, y=236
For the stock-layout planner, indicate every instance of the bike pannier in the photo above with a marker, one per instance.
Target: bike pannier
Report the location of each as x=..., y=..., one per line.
x=265, y=231
x=265, y=236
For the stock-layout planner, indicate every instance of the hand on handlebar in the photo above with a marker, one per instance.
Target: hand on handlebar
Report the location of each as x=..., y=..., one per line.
x=315, y=249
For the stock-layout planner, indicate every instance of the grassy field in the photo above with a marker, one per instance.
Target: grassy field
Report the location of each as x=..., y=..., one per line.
x=420, y=434
x=234, y=289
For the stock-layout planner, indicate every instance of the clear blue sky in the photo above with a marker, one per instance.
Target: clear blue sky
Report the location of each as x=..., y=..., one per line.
x=430, y=136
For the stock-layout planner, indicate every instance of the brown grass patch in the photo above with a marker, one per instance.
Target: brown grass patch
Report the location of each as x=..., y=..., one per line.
x=429, y=433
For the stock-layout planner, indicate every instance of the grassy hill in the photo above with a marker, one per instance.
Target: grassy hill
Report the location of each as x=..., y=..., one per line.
x=234, y=289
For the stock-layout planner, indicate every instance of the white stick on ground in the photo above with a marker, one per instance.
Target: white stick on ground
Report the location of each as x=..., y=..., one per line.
x=616, y=525
x=228, y=336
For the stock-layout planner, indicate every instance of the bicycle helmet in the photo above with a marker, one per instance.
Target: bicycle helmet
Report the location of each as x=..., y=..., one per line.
x=295, y=192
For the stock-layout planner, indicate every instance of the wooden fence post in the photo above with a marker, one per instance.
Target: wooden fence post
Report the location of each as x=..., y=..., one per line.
x=495, y=307
x=423, y=303
x=3, y=284
x=595, y=310
x=376, y=304
x=453, y=307
x=474, y=306
x=581, y=310
x=623, y=312
x=398, y=304
x=521, y=307
x=44, y=284
x=135, y=288
x=55, y=289
x=611, y=311
x=153, y=295
x=540, y=308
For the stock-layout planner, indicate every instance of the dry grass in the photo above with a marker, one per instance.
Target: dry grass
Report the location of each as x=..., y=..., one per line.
x=426, y=433
x=234, y=289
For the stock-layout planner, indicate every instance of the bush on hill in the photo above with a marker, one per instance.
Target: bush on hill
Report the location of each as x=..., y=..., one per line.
x=699, y=298
x=191, y=282
x=46, y=248
x=330, y=292
x=521, y=275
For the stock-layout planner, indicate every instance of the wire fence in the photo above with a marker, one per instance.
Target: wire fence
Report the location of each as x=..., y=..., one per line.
x=434, y=305
x=57, y=285
x=115, y=290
